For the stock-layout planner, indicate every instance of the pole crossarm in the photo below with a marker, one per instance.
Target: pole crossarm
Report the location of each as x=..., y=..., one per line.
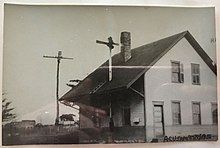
x=56, y=57
x=110, y=43
x=50, y=57
x=66, y=58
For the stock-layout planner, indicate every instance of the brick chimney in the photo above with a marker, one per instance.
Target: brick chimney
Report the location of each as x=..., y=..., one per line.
x=126, y=45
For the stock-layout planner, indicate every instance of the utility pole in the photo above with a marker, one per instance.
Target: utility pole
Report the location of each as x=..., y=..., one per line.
x=110, y=44
x=58, y=57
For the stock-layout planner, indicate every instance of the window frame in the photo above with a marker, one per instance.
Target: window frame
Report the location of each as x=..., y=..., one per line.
x=96, y=119
x=172, y=109
x=180, y=72
x=195, y=74
x=200, y=119
x=212, y=104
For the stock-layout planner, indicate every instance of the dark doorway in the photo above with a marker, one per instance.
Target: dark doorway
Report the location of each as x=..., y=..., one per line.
x=126, y=116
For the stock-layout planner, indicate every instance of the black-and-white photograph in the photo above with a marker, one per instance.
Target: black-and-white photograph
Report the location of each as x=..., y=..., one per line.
x=108, y=74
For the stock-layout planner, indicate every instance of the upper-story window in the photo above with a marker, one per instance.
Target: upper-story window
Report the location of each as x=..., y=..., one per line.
x=195, y=74
x=177, y=72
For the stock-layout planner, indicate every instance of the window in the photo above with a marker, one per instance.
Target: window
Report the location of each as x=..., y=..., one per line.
x=177, y=72
x=126, y=116
x=176, y=113
x=195, y=74
x=214, y=113
x=97, y=119
x=196, y=113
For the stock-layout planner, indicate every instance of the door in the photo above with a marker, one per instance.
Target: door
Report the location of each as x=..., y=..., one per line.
x=126, y=117
x=158, y=121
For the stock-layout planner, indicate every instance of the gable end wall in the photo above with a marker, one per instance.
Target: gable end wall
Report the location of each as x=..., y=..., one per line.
x=158, y=87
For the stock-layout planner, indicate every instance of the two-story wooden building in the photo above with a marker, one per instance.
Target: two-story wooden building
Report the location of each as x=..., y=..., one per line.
x=165, y=88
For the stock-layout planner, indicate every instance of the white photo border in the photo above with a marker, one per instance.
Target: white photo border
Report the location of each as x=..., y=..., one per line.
x=164, y=3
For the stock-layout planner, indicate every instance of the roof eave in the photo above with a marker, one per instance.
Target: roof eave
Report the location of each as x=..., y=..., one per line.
x=78, y=97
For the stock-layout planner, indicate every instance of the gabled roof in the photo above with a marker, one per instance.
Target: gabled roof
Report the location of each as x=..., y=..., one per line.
x=126, y=73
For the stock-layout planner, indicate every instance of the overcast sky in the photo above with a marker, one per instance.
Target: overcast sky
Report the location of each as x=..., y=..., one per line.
x=33, y=31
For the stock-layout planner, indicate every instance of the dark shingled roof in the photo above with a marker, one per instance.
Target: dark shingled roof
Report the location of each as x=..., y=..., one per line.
x=126, y=73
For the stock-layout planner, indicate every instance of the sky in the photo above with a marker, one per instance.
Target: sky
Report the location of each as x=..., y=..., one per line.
x=29, y=80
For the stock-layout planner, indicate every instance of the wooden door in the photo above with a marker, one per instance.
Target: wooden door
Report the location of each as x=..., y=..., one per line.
x=158, y=121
